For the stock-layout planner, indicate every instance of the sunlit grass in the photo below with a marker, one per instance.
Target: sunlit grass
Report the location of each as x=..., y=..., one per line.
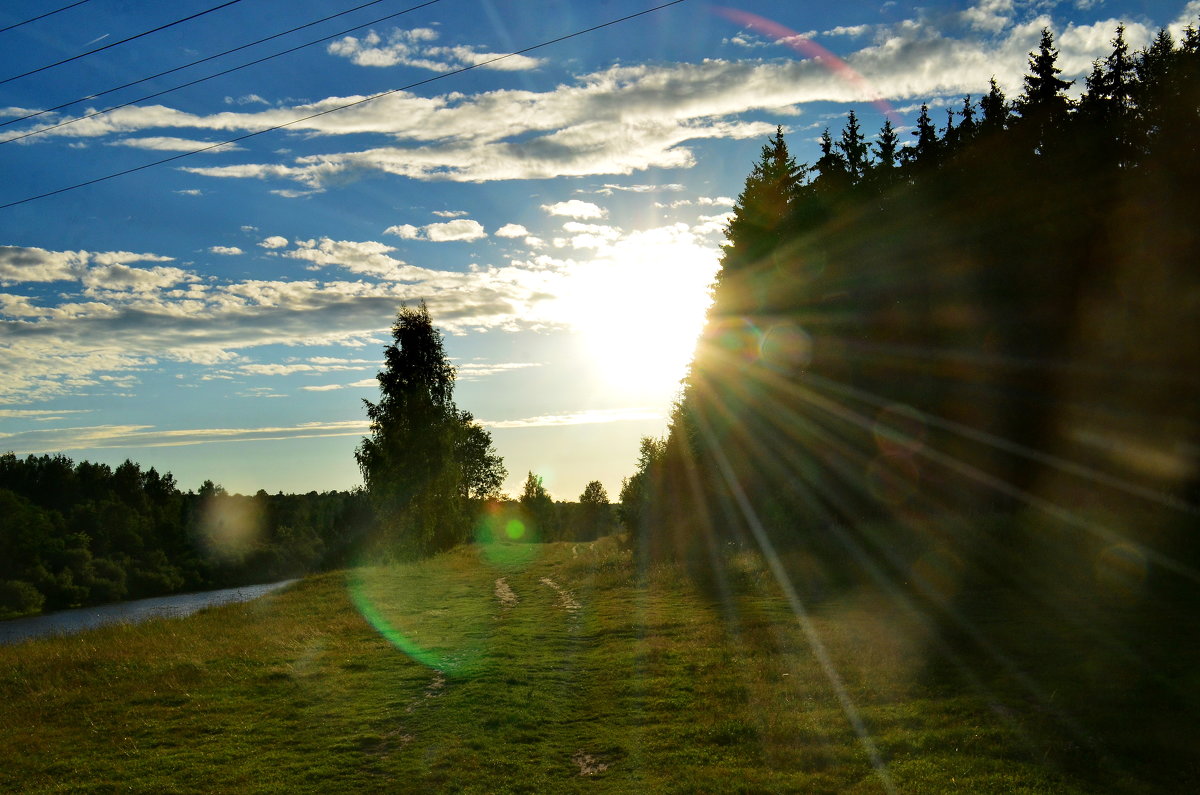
x=648, y=686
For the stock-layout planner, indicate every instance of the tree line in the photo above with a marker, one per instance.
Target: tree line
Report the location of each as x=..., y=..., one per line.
x=989, y=321
x=75, y=534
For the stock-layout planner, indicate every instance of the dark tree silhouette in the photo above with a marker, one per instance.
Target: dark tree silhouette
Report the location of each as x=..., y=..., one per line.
x=887, y=146
x=1044, y=104
x=853, y=148
x=994, y=109
x=423, y=458
x=762, y=207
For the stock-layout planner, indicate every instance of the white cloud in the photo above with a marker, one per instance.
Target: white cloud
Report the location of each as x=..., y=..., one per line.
x=122, y=277
x=450, y=213
x=609, y=188
x=414, y=48
x=440, y=232
x=406, y=231
x=368, y=258
x=476, y=370
x=169, y=144
x=274, y=241
x=846, y=30
x=576, y=209
x=512, y=230
x=115, y=436
x=225, y=251
x=189, y=192
x=31, y=264
x=991, y=16
x=586, y=417
x=248, y=99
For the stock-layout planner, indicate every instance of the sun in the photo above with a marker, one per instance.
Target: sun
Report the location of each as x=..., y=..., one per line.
x=639, y=306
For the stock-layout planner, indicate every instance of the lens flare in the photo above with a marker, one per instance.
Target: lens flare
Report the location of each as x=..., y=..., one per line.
x=437, y=612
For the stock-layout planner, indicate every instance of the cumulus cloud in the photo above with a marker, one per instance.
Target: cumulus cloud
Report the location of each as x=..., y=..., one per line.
x=415, y=48
x=368, y=258
x=512, y=230
x=274, y=241
x=441, y=232
x=122, y=277
x=225, y=251
x=32, y=264
x=576, y=209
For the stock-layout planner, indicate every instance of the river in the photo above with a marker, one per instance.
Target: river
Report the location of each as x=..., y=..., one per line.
x=65, y=622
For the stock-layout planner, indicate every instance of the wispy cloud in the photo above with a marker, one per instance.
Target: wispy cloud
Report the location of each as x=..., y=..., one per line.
x=586, y=417
x=98, y=437
x=415, y=47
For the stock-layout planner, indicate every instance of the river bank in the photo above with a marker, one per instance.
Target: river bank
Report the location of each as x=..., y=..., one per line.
x=66, y=622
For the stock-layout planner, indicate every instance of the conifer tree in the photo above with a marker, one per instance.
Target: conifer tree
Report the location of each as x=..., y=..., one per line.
x=968, y=127
x=926, y=148
x=1043, y=104
x=886, y=145
x=950, y=133
x=994, y=107
x=853, y=148
x=762, y=208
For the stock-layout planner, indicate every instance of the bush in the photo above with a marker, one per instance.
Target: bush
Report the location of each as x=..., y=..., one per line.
x=18, y=598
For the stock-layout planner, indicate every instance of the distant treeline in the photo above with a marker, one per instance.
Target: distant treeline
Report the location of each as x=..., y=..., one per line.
x=998, y=320
x=75, y=534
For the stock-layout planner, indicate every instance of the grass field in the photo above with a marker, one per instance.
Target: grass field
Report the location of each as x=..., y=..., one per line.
x=517, y=668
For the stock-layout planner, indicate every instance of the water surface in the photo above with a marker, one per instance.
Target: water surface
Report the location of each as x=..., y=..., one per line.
x=66, y=622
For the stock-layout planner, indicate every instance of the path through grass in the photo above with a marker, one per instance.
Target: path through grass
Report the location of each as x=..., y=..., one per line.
x=532, y=669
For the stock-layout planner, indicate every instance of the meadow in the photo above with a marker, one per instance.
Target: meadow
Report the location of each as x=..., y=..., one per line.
x=524, y=668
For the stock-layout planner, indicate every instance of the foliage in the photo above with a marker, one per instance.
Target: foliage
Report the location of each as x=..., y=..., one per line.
x=538, y=508
x=424, y=459
x=1002, y=325
x=74, y=534
x=597, y=513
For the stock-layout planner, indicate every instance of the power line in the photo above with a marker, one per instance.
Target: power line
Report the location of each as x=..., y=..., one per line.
x=117, y=43
x=187, y=65
x=198, y=80
x=43, y=16
x=328, y=111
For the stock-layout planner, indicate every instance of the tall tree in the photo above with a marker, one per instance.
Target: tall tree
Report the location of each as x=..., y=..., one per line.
x=1044, y=103
x=423, y=458
x=887, y=145
x=538, y=506
x=994, y=108
x=597, y=511
x=761, y=211
x=853, y=148
x=968, y=127
x=927, y=143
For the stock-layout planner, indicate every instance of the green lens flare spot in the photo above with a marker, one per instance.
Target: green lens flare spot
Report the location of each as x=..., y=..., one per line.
x=514, y=529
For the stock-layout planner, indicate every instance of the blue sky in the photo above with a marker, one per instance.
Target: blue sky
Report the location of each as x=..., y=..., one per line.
x=223, y=315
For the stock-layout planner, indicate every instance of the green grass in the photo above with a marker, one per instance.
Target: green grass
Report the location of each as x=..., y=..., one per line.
x=646, y=686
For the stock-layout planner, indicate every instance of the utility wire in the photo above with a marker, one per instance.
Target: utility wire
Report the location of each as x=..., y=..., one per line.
x=222, y=73
x=193, y=63
x=328, y=111
x=43, y=16
x=117, y=43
